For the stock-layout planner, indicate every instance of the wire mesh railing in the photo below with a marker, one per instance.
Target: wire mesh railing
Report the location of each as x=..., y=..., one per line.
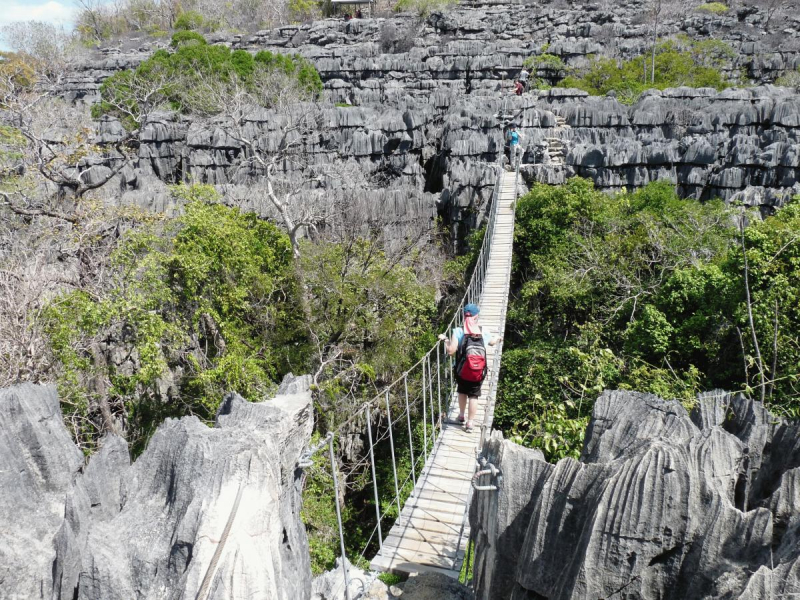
x=410, y=413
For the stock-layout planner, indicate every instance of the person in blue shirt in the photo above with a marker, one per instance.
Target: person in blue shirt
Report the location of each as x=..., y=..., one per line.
x=468, y=389
x=513, y=137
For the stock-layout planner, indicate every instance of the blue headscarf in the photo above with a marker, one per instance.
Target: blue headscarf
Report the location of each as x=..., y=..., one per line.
x=471, y=310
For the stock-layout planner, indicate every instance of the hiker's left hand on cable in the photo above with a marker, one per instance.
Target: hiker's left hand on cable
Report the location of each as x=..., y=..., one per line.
x=442, y=337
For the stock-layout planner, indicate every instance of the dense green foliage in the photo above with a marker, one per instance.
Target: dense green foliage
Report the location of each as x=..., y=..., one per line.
x=677, y=63
x=178, y=79
x=211, y=301
x=642, y=291
x=192, y=20
x=544, y=67
x=373, y=312
x=790, y=79
x=187, y=37
x=210, y=294
x=716, y=8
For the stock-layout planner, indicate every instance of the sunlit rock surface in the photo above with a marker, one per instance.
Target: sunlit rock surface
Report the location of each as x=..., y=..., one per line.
x=662, y=504
x=111, y=529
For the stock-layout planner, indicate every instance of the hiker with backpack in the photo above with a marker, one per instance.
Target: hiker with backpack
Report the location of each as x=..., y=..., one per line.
x=469, y=345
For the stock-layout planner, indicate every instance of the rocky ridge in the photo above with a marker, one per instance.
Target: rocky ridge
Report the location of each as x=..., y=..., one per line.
x=422, y=102
x=153, y=528
x=663, y=504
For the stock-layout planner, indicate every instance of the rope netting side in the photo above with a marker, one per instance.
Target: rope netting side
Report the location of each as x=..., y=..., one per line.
x=488, y=417
x=410, y=411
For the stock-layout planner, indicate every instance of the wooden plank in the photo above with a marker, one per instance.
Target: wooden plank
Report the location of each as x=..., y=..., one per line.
x=380, y=563
x=446, y=550
x=438, y=505
x=429, y=515
x=413, y=533
x=418, y=558
x=430, y=526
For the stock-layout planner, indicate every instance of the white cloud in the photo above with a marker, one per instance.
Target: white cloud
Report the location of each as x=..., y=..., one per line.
x=58, y=13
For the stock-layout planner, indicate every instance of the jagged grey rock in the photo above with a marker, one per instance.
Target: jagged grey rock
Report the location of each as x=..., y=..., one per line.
x=663, y=504
x=422, y=99
x=331, y=584
x=151, y=528
x=38, y=463
x=434, y=586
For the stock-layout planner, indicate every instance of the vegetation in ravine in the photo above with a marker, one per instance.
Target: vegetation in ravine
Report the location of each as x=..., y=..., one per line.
x=679, y=62
x=210, y=294
x=717, y=8
x=179, y=79
x=675, y=62
x=648, y=292
x=790, y=79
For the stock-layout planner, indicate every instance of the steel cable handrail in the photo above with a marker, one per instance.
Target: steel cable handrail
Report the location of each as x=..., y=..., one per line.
x=478, y=273
x=430, y=395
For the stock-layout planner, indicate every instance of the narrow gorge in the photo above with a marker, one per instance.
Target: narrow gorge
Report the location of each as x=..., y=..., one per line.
x=231, y=234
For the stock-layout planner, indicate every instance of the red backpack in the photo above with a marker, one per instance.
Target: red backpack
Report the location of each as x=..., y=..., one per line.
x=471, y=359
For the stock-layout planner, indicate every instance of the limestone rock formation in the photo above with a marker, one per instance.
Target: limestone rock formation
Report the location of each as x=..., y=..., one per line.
x=209, y=513
x=38, y=463
x=663, y=504
x=420, y=106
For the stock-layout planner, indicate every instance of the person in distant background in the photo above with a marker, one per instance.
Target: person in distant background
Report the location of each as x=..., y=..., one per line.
x=513, y=137
x=523, y=78
x=468, y=389
x=518, y=87
x=358, y=14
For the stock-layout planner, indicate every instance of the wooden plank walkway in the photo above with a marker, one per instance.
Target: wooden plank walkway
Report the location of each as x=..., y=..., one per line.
x=432, y=531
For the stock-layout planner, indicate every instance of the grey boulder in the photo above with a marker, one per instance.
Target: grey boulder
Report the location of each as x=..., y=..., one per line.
x=663, y=504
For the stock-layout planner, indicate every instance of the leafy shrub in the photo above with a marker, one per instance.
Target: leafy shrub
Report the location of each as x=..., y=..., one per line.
x=171, y=78
x=790, y=79
x=551, y=66
x=187, y=37
x=716, y=8
x=293, y=65
x=210, y=295
x=423, y=7
x=699, y=66
x=17, y=71
x=303, y=10
x=190, y=20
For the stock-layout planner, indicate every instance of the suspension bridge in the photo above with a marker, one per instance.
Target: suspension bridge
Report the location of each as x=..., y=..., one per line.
x=430, y=501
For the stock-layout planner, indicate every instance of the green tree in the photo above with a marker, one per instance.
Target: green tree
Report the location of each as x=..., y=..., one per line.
x=632, y=290
x=676, y=63
x=201, y=304
x=187, y=79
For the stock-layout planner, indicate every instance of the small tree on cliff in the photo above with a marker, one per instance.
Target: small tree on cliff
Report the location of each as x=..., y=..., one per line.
x=275, y=119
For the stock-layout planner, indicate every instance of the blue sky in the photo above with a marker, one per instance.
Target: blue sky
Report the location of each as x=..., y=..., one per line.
x=58, y=12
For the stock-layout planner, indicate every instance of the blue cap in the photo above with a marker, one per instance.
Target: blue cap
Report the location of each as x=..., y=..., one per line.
x=471, y=310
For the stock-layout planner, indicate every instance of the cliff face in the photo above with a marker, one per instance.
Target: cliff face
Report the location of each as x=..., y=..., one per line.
x=428, y=96
x=152, y=529
x=663, y=504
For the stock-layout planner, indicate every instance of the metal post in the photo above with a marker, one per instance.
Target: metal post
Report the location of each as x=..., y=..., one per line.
x=410, y=434
x=439, y=382
x=339, y=520
x=391, y=445
x=424, y=416
x=374, y=478
x=433, y=410
x=450, y=368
